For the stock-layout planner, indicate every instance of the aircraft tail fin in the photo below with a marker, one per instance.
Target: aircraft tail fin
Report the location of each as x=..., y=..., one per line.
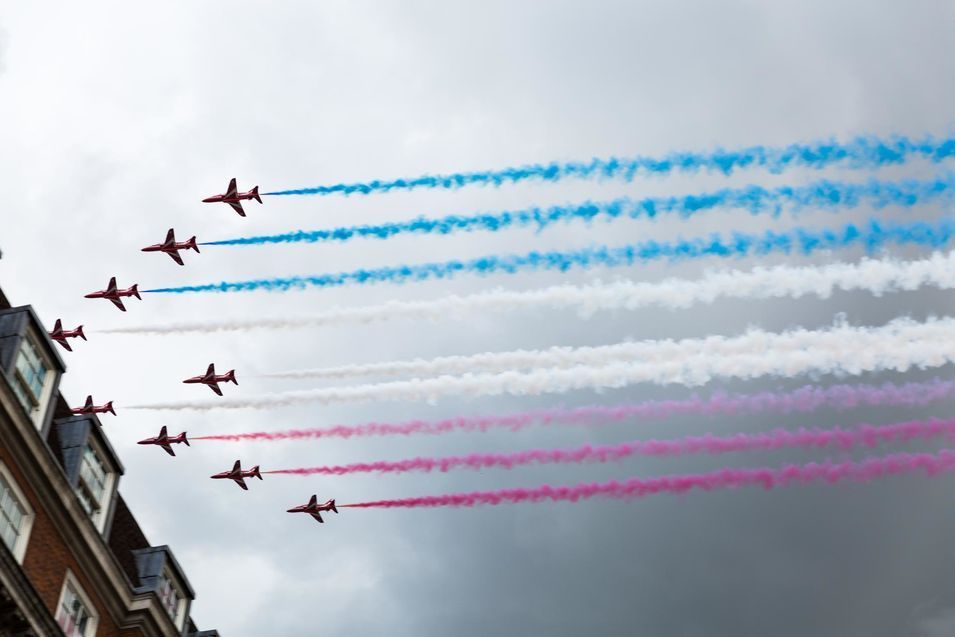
x=255, y=194
x=331, y=505
x=79, y=332
x=230, y=376
x=182, y=437
x=135, y=291
x=192, y=244
x=255, y=472
x=109, y=407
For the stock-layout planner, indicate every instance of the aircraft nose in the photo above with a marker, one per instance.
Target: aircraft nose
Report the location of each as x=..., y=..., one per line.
x=209, y=200
x=89, y=296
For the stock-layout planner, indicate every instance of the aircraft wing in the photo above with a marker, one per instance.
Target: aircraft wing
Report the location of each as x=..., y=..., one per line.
x=168, y=449
x=170, y=237
x=62, y=341
x=119, y=303
x=215, y=387
x=112, y=285
x=231, y=191
x=239, y=481
x=237, y=206
x=175, y=257
x=318, y=517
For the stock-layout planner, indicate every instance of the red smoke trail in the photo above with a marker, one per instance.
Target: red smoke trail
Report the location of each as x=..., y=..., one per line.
x=827, y=471
x=804, y=399
x=865, y=435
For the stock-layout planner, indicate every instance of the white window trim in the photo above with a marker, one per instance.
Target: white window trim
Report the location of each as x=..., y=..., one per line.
x=99, y=517
x=70, y=581
x=38, y=413
x=179, y=619
x=26, y=523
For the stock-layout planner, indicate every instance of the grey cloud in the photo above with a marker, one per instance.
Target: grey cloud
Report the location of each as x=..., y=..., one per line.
x=934, y=618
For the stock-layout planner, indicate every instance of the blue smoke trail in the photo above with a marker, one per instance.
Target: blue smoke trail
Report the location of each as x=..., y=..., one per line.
x=871, y=236
x=823, y=194
x=861, y=152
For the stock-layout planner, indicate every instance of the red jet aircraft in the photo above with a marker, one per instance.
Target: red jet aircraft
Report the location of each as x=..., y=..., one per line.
x=315, y=509
x=163, y=440
x=90, y=408
x=238, y=474
x=234, y=198
x=115, y=295
x=60, y=335
x=170, y=247
x=211, y=379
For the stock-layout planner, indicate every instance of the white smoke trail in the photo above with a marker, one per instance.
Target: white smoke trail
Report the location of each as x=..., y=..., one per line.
x=877, y=276
x=899, y=345
x=752, y=342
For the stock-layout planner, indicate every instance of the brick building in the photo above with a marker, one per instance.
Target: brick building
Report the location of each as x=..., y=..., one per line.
x=73, y=560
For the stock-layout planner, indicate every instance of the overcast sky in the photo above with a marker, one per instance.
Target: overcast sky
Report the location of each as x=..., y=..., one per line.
x=118, y=119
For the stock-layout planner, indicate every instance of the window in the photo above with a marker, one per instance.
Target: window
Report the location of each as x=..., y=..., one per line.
x=92, y=484
x=171, y=598
x=30, y=376
x=16, y=516
x=74, y=613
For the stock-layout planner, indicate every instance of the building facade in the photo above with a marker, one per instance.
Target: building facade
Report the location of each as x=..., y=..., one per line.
x=73, y=560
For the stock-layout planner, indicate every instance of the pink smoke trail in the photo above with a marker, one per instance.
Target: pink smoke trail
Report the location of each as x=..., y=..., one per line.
x=862, y=435
x=804, y=399
x=827, y=471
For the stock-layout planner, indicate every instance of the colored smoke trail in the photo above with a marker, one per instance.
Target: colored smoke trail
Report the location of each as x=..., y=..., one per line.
x=829, y=471
x=844, y=439
x=899, y=346
x=804, y=399
x=861, y=152
x=754, y=342
x=755, y=199
x=870, y=236
x=877, y=276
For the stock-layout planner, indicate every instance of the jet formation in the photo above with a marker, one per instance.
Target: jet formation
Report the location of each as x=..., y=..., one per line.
x=172, y=248
x=115, y=295
x=315, y=509
x=238, y=474
x=60, y=335
x=212, y=379
x=234, y=198
x=163, y=440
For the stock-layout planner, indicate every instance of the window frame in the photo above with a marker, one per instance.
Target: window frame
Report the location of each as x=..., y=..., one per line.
x=19, y=549
x=35, y=407
x=97, y=516
x=167, y=575
x=28, y=351
x=69, y=581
